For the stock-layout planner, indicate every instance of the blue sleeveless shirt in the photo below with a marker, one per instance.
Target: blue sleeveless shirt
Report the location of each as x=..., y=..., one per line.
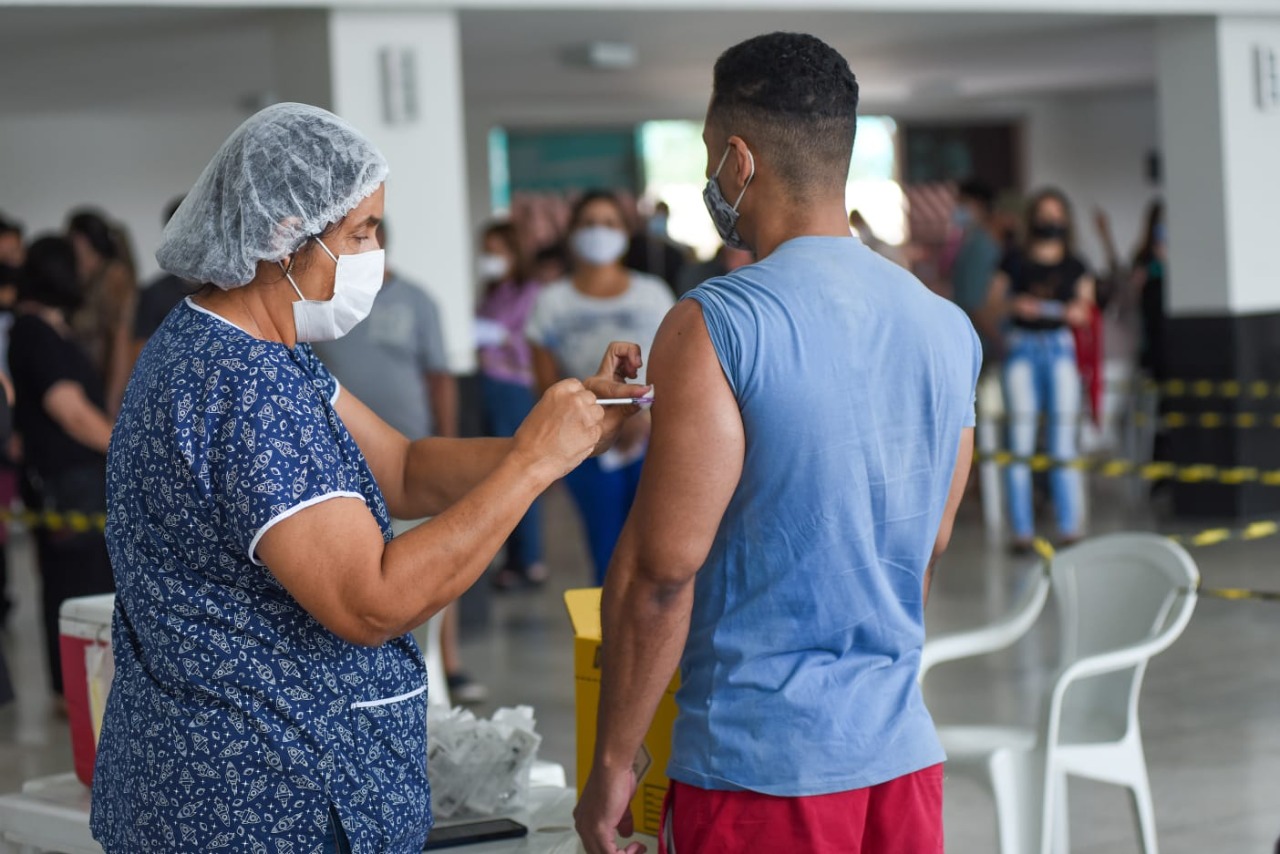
x=855, y=383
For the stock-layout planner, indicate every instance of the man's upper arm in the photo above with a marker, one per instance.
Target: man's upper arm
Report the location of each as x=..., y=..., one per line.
x=695, y=452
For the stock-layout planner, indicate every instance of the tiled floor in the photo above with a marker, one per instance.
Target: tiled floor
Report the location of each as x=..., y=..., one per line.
x=1210, y=707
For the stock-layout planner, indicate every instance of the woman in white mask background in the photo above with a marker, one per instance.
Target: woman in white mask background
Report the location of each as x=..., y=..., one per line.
x=267, y=694
x=601, y=301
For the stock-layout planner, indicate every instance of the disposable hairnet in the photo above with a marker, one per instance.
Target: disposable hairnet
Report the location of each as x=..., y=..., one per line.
x=281, y=177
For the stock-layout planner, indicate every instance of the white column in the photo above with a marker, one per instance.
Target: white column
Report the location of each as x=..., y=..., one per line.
x=1221, y=161
x=397, y=76
x=1221, y=126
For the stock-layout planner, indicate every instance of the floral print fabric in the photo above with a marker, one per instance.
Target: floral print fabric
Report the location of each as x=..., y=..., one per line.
x=235, y=719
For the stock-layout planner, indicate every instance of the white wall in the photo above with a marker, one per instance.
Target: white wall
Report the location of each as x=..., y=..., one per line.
x=129, y=164
x=430, y=231
x=1095, y=147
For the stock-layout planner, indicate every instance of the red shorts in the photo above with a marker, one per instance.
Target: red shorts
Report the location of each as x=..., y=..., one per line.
x=902, y=816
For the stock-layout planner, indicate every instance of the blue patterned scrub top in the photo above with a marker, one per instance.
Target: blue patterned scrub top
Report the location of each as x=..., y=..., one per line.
x=235, y=719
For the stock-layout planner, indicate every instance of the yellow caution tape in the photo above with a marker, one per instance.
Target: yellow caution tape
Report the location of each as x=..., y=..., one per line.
x=1202, y=388
x=1258, y=530
x=1043, y=548
x=1191, y=473
x=73, y=521
x=1211, y=537
x=1168, y=421
x=1237, y=594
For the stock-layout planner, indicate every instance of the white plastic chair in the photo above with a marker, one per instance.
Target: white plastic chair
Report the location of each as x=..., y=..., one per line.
x=1121, y=599
x=428, y=636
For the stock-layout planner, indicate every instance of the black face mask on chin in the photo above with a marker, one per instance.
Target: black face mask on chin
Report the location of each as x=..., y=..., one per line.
x=1048, y=231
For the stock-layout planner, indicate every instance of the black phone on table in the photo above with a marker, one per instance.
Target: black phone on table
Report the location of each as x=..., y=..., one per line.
x=487, y=830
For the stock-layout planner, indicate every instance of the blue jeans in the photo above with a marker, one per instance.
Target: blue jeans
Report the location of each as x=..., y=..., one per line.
x=335, y=840
x=604, y=499
x=1041, y=377
x=505, y=407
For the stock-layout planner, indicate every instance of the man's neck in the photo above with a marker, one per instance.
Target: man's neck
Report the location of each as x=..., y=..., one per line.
x=820, y=219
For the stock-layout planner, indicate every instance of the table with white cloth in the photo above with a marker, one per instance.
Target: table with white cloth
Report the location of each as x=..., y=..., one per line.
x=51, y=814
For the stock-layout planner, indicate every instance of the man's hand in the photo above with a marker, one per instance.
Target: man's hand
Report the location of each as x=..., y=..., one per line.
x=604, y=813
x=621, y=362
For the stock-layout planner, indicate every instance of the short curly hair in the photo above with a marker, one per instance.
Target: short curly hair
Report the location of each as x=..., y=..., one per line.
x=794, y=98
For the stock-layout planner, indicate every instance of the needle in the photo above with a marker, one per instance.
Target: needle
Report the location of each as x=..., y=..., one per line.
x=625, y=401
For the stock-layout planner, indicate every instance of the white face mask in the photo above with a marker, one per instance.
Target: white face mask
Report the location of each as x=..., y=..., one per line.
x=599, y=244
x=355, y=286
x=492, y=267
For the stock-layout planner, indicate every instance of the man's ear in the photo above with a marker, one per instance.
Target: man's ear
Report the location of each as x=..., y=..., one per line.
x=741, y=158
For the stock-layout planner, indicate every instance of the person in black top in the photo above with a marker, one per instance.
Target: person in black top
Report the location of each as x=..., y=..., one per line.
x=58, y=411
x=1146, y=277
x=9, y=276
x=157, y=299
x=1042, y=290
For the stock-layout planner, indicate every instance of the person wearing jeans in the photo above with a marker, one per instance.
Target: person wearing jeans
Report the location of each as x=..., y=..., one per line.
x=1040, y=376
x=1043, y=290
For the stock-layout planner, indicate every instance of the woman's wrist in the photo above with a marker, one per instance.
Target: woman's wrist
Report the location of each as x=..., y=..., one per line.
x=528, y=468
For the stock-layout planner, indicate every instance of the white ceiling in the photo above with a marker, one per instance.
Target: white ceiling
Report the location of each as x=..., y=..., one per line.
x=514, y=60
x=75, y=58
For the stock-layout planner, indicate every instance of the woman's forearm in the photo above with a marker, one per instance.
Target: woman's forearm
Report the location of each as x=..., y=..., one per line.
x=332, y=559
x=438, y=472
x=430, y=566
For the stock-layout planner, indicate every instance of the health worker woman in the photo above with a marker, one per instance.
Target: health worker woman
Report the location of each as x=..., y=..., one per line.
x=267, y=697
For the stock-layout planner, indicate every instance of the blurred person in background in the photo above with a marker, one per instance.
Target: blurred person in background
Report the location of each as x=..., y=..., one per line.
x=506, y=378
x=653, y=251
x=157, y=299
x=6, y=433
x=395, y=362
x=104, y=323
x=1146, y=281
x=1044, y=290
x=12, y=249
x=872, y=241
x=572, y=322
x=13, y=252
x=10, y=277
x=976, y=261
x=549, y=264
x=65, y=430
x=660, y=220
x=726, y=260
